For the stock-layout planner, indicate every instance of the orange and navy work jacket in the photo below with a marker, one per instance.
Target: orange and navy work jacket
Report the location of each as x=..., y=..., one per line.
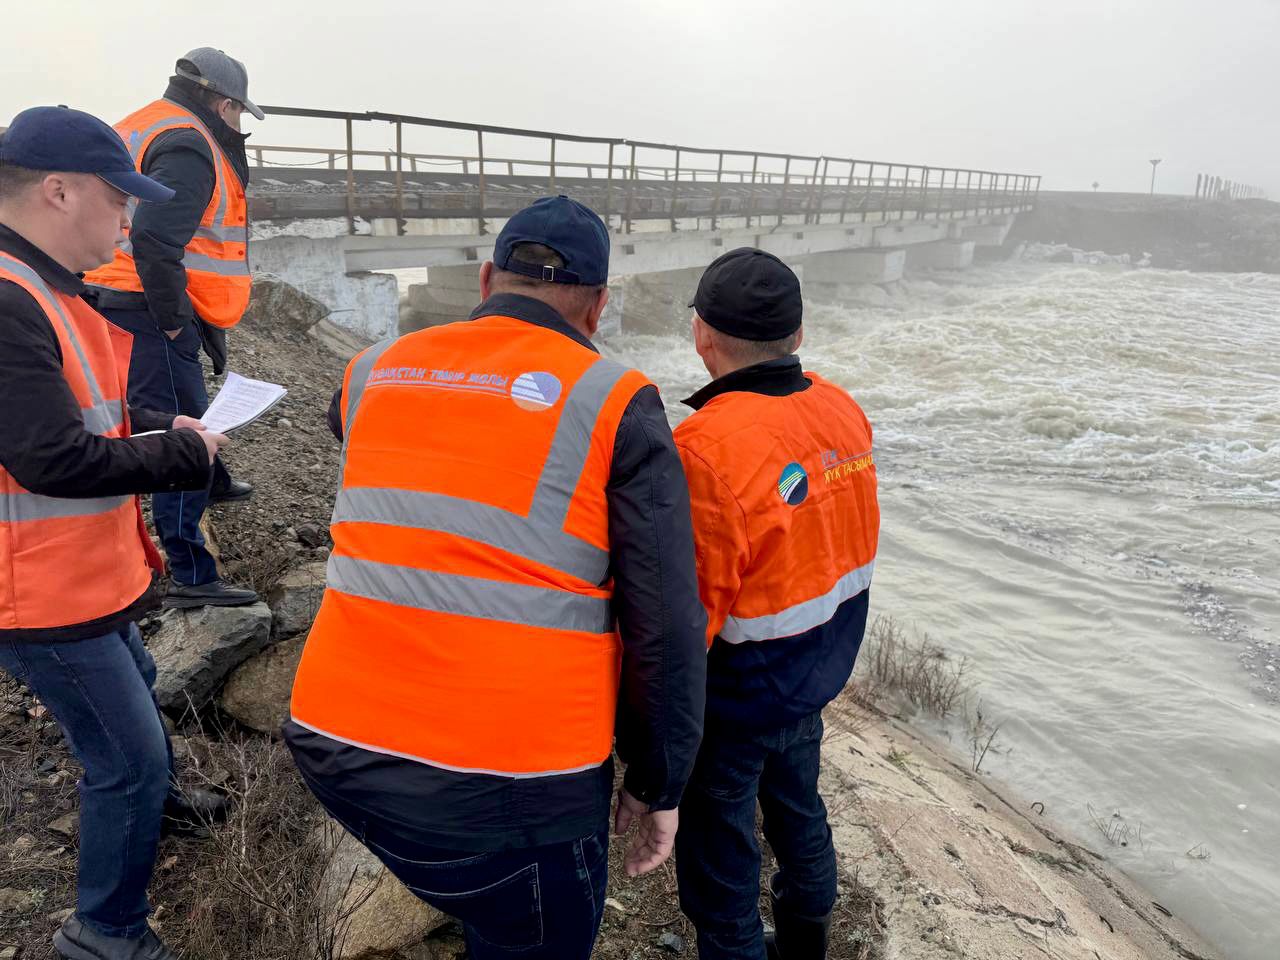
x=99, y=545
x=467, y=621
x=216, y=259
x=783, y=491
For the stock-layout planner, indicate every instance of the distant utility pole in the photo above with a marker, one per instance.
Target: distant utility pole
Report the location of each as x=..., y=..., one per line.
x=1154, y=164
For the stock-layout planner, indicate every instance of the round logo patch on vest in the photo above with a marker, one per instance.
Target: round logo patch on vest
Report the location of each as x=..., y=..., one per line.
x=535, y=391
x=793, y=485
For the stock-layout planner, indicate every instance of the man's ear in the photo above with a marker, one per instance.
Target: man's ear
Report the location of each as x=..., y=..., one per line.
x=486, y=275
x=597, y=310
x=55, y=189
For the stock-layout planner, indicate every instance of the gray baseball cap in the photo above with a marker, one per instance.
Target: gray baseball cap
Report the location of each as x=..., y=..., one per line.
x=220, y=73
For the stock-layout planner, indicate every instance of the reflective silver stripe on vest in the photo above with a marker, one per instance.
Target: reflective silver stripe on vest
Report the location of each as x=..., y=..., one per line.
x=540, y=536
x=569, y=448
x=95, y=392
x=361, y=367
x=475, y=521
x=801, y=617
x=103, y=417
x=514, y=775
x=469, y=596
x=225, y=268
x=20, y=507
x=223, y=233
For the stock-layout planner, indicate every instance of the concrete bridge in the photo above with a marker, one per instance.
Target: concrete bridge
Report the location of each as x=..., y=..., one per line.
x=673, y=209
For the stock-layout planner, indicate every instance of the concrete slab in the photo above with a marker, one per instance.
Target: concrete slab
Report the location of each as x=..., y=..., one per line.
x=941, y=255
x=855, y=266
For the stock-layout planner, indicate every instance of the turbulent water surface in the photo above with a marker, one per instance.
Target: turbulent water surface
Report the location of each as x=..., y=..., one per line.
x=1080, y=474
x=1080, y=482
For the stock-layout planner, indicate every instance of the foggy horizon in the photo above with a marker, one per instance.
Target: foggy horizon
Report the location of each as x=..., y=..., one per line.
x=1075, y=94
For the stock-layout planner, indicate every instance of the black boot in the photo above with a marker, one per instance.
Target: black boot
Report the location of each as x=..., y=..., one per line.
x=796, y=937
x=75, y=941
x=189, y=813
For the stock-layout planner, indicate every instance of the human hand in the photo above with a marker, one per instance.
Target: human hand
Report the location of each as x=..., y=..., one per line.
x=213, y=442
x=654, y=840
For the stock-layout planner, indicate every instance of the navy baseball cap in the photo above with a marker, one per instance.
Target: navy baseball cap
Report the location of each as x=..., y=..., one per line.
x=569, y=228
x=751, y=295
x=62, y=140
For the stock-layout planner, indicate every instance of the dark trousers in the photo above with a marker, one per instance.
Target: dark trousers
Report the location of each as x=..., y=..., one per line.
x=537, y=903
x=99, y=690
x=166, y=375
x=717, y=857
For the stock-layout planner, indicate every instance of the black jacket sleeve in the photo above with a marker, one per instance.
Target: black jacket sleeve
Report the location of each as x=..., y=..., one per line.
x=334, y=416
x=43, y=442
x=660, y=617
x=161, y=231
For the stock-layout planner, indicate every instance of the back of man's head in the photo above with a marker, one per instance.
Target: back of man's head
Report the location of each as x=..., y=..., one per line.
x=574, y=301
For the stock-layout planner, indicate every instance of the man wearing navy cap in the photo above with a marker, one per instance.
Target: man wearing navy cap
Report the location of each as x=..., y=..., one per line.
x=512, y=574
x=783, y=489
x=78, y=564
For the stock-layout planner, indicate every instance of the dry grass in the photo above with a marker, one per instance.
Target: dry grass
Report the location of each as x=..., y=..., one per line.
x=916, y=668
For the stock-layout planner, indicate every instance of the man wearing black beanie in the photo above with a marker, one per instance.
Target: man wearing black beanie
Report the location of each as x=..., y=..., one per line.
x=783, y=495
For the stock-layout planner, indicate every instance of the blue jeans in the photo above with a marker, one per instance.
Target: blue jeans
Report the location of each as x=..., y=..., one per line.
x=99, y=690
x=166, y=376
x=717, y=857
x=537, y=903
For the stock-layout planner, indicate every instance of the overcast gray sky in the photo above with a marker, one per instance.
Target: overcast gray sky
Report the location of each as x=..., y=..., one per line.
x=1077, y=91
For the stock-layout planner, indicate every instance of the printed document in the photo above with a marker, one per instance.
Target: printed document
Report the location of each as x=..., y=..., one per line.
x=240, y=402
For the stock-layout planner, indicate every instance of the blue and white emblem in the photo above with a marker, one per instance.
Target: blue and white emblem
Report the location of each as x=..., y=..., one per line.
x=535, y=391
x=793, y=485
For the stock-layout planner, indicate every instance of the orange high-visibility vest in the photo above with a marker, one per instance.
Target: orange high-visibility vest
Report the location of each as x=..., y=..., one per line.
x=467, y=619
x=217, y=258
x=786, y=520
x=63, y=561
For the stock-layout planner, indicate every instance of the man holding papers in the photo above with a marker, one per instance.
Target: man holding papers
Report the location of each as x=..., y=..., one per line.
x=181, y=280
x=76, y=563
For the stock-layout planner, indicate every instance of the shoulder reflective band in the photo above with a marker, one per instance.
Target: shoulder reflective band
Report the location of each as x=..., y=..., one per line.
x=102, y=416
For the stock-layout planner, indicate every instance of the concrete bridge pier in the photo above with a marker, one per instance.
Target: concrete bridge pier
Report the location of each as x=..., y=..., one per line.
x=825, y=274
x=941, y=255
x=449, y=294
x=651, y=303
x=993, y=233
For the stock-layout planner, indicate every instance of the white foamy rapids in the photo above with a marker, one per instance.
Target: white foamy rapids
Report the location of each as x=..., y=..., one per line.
x=1079, y=471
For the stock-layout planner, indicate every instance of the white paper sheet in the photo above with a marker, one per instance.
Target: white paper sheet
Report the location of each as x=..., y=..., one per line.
x=240, y=402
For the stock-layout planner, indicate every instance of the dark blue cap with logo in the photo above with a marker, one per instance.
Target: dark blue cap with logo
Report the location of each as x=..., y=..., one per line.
x=571, y=229
x=61, y=140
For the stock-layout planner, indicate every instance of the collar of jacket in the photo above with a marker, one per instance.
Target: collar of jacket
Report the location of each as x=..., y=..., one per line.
x=231, y=141
x=773, y=378
x=530, y=311
x=50, y=271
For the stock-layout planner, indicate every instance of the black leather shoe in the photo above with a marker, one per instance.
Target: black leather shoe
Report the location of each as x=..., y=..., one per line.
x=75, y=941
x=190, y=813
x=218, y=593
x=234, y=491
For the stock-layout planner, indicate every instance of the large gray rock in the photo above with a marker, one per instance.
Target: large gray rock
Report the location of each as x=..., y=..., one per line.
x=195, y=650
x=273, y=302
x=338, y=341
x=374, y=914
x=295, y=600
x=258, y=691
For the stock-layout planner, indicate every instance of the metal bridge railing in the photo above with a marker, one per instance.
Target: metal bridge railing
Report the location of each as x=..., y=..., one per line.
x=690, y=182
